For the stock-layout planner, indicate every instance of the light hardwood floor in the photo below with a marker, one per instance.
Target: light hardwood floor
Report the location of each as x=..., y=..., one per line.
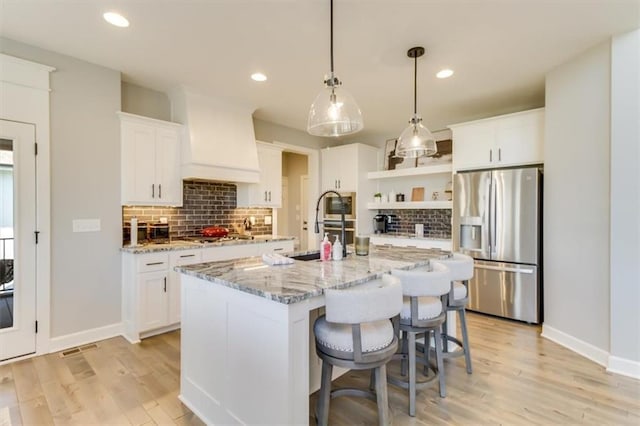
x=518, y=378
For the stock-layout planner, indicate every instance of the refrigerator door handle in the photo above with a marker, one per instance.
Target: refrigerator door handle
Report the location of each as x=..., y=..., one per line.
x=497, y=268
x=492, y=216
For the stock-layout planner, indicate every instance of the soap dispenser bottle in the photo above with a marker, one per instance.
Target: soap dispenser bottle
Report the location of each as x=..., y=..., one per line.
x=337, y=249
x=325, y=248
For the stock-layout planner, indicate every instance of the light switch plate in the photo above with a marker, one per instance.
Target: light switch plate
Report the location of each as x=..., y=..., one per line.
x=267, y=220
x=86, y=225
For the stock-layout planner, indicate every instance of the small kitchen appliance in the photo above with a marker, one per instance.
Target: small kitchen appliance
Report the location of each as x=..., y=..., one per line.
x=142, y=233
x=159, y=233
x=380, y=224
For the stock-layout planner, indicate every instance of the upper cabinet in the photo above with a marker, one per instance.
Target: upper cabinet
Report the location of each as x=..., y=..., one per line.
x=268, y=192
x=507, y=140
x=344, y=166
x=150, y=161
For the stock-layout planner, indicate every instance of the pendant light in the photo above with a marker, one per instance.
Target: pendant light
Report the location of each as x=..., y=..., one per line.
x=334, y=112
x=416, y=140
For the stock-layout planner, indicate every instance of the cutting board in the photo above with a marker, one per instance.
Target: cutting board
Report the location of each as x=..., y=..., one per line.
x=417, y=194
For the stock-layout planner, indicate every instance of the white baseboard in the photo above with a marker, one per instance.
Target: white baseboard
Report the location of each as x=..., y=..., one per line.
x=585, y=349
x=624, y=367
x=83, y=337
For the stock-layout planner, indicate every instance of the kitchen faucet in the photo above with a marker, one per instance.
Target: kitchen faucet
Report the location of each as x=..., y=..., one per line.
x=342, y=221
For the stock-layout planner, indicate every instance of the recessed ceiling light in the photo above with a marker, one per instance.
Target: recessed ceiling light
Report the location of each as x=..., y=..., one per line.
x=258, y=76
x=116, y=19
x=445, y=73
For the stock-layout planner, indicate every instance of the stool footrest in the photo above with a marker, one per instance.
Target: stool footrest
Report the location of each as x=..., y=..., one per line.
x=336, y=393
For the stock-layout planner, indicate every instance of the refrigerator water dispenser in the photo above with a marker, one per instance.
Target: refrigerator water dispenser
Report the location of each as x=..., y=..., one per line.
x=471, y=237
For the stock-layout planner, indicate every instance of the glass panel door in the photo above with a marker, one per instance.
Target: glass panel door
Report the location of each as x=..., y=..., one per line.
x=6, y=234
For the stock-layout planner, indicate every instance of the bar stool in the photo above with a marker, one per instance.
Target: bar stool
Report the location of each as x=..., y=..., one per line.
x=356, y=333
x=423, y=312
x=461, y=267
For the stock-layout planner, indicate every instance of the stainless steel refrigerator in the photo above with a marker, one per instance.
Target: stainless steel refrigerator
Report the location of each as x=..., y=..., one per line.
x=497, y=220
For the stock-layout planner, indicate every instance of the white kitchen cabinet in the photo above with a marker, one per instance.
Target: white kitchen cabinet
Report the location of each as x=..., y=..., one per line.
x=151, y=288
x=268, y=192
x=179, y=258
x=507, y=140
x=150, y=161
x=425, y=243
x=339, y=168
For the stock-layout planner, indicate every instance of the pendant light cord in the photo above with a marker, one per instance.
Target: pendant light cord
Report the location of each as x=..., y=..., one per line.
x=331, y=32
x=415, y=85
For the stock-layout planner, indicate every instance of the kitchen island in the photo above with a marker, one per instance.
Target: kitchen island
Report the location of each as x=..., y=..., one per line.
x=246, y=328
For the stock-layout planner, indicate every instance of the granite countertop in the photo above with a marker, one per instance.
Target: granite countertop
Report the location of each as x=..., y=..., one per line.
x=406, y=235
x=187, y=245
x=305, y=279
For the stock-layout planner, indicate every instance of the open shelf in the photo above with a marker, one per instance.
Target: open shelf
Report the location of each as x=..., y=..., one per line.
x=411, y=205
x=415, y=171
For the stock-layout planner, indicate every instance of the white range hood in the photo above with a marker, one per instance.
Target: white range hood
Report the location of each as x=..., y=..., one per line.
x=219, y=140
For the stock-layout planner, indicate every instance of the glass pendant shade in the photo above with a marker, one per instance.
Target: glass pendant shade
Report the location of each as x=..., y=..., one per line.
x=334, y=112
x=416, y=141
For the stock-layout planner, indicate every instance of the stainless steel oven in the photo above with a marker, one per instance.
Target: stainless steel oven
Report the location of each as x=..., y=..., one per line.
x=333, y=207
x=333, y=227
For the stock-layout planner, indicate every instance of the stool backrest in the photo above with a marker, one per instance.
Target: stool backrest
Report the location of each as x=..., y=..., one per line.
x=460, y=265
x=372, y=301
x=434, y=280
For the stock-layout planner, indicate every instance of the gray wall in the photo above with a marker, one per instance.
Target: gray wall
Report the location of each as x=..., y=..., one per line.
x=85, y=183
x=146, y=102
x=270, y=132
x=576, y=198
x=625, y=197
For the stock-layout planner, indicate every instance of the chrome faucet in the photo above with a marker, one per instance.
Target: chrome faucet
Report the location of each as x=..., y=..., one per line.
x=342, y=221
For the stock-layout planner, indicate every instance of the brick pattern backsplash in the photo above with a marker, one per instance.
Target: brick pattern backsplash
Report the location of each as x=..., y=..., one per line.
x=437, y=222
x=205, y=204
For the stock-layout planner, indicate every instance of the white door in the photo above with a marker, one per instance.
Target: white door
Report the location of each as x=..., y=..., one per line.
x=17, y=239
x=304, y=213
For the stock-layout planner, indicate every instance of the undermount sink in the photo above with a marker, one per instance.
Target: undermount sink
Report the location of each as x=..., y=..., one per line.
x=307, y=256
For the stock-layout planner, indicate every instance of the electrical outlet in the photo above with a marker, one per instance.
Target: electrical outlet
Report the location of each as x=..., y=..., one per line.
x=86, y=225
x=252, y=219
x=267, y=220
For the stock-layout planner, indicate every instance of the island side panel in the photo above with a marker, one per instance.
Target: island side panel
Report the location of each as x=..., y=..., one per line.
x=244, y=358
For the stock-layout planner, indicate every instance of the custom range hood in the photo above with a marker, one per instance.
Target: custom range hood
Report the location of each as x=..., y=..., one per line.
x=219, y=140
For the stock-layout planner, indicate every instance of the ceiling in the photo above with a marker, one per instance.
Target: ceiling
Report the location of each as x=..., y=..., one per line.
x=500, y=50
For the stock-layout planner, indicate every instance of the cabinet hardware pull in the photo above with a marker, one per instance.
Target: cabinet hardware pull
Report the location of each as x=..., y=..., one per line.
x=187, y=255
x=159, y=190
x=490, y=155
x=154, y=263
x=153, y=190
x=499, y=154
x=265, y=195
x=269, y=195
x=165, y=284
x=278, y=249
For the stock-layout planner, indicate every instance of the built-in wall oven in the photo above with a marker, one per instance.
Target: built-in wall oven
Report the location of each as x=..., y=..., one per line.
x=334, y=227
x=333, y=207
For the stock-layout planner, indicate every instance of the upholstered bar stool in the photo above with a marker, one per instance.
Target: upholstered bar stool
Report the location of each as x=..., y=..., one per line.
x=357, y=333
x=461, y=267
x=423, y=312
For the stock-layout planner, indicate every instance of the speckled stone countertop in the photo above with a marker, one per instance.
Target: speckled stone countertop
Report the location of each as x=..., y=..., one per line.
x=412, y=236
x=187, y=245
x=305, y=279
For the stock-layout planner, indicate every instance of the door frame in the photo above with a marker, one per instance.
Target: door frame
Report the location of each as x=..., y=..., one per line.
x=313, y=171
x=25, y=99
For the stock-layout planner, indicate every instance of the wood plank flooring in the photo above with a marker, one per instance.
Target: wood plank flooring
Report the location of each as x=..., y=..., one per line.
x=518, y=378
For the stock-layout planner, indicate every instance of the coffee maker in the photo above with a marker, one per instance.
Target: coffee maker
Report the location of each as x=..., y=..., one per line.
x=380, y=223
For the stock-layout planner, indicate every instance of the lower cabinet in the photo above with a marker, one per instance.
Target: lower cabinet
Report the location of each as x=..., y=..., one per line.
x=381, y=239
x=151, y=288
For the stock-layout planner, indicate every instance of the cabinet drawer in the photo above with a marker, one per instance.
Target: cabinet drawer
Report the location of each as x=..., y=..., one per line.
x=275, y=247
x=185, y=257
x=153, y=262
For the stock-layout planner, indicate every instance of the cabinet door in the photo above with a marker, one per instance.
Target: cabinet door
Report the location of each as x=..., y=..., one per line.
x=473, y=145
x=346, y=165
x=138, y=163
x=169, y=182
x=179, y=258
x=271, y=174
x=520, y=139
x=152, y=300
x=331, y=165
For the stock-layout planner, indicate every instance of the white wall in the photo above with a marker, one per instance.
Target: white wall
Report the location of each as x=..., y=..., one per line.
x=85, y=183
x=625, y=201
x=576, y=200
